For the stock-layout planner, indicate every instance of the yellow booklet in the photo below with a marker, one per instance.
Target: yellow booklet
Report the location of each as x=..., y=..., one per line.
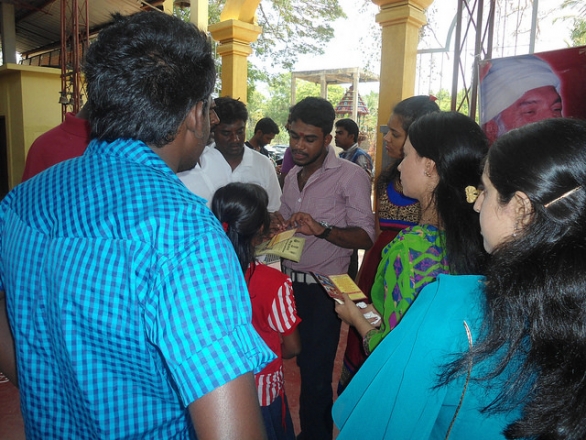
x=335, y=285
x=284, y=245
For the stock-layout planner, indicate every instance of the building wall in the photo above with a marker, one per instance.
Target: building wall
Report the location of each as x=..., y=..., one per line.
x=29, y=98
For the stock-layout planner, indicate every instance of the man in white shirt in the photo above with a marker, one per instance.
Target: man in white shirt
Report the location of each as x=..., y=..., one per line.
x=212, y=171
x=247, y=165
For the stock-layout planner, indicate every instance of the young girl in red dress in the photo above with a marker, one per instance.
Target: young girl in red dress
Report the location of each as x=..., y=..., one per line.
x=242, y=210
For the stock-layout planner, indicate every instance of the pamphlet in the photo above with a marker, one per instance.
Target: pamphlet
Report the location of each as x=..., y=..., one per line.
x=284, y=244
x=335, y=285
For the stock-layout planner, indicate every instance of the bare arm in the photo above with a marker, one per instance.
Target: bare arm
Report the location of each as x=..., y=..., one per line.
x=352, y=315
x=7, y=356
x=351, y=237
x=291, y=345
x=230, y=411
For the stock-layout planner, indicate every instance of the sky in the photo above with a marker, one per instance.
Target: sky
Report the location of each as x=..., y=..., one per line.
x=346, y=48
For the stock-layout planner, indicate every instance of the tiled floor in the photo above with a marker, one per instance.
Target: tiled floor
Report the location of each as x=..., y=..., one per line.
x=12, y=428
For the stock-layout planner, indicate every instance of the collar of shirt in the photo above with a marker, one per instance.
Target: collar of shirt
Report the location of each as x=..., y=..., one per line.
x=349, y=152
x=130, y=150
x=331, y=161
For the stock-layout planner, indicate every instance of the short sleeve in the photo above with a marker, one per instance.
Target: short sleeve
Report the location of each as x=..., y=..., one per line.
x=199, y=318
x=283, y=315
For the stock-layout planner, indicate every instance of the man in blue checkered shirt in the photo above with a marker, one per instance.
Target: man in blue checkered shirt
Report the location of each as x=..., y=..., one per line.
x=122, y=303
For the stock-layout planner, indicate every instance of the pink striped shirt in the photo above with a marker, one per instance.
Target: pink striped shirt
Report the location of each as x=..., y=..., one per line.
x=339, y=193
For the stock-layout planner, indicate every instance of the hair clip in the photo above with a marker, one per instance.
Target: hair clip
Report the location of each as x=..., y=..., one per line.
x=471, y=194
x=225, y=226
x=563, y=196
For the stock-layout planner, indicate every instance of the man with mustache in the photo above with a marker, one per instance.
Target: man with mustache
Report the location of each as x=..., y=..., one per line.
x=248, y=166
x=328, y=200
x=517, y=91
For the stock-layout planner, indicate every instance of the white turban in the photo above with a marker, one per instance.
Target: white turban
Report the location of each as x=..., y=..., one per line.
x=510, y=78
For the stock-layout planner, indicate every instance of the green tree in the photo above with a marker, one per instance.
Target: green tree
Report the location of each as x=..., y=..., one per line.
x=290, y=27
x=578, y=33
x=276, y=104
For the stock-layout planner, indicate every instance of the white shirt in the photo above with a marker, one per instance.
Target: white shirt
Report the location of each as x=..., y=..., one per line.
x=212, y=172
x=256, y=168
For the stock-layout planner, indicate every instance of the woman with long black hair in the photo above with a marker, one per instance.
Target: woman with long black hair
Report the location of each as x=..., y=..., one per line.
x=501, y=356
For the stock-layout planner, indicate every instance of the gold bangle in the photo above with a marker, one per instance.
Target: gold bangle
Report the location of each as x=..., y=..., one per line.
x=366, y=340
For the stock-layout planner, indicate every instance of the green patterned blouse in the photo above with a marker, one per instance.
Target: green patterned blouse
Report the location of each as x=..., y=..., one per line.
x=411, y=261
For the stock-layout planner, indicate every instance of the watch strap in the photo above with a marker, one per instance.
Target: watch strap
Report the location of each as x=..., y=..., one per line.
x=326, y=232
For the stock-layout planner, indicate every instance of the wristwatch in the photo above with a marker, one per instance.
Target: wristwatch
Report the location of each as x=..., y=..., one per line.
x=327, y=230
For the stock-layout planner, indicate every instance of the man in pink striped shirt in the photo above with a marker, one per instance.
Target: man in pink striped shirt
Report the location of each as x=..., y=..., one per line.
x=328, y=200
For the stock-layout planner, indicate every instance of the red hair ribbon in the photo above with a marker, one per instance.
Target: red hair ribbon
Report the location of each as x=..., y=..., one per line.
x=225, y=226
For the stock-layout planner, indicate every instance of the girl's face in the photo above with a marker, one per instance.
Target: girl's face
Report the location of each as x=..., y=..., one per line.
x=498, y=222
x=395, y=137
x=418, y=175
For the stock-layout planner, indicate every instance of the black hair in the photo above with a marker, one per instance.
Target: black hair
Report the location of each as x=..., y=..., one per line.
x=314, y=111
x=350, y=126
x=230, y=110
x=458, y=147
x=144, y=74
x=409, y=110
x=242, y=210
x=267, y=125
x=536, y=282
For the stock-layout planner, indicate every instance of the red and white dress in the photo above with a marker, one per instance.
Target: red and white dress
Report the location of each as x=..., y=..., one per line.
x=273, y=315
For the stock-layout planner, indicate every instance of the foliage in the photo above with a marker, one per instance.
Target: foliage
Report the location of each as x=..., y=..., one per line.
x=444, y=101
x=290, y=27
x=578, y=33
x=578, y=4
x=276, y=104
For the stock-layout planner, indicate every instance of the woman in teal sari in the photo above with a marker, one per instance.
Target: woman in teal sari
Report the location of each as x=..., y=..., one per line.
x=501, y=356
x=442, y=156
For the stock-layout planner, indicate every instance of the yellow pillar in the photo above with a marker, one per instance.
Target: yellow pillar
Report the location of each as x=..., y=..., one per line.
x=401, y=22
x=199, y=14
x=235, y=32
x=168, y=7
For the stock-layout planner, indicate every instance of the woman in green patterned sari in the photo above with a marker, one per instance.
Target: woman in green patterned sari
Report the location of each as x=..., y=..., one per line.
x=443, y=156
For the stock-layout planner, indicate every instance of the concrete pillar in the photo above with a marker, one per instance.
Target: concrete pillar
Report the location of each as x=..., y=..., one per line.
x=235, y=31
x=401, y=22
x=168, y=6
x=234, y=37
x=199, y=14
x=355, y=81
x=8, y=31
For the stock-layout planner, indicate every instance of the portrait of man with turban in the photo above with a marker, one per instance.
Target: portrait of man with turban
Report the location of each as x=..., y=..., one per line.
x=517, y=91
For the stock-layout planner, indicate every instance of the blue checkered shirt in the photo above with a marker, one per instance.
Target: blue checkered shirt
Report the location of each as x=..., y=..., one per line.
x=124, y=295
